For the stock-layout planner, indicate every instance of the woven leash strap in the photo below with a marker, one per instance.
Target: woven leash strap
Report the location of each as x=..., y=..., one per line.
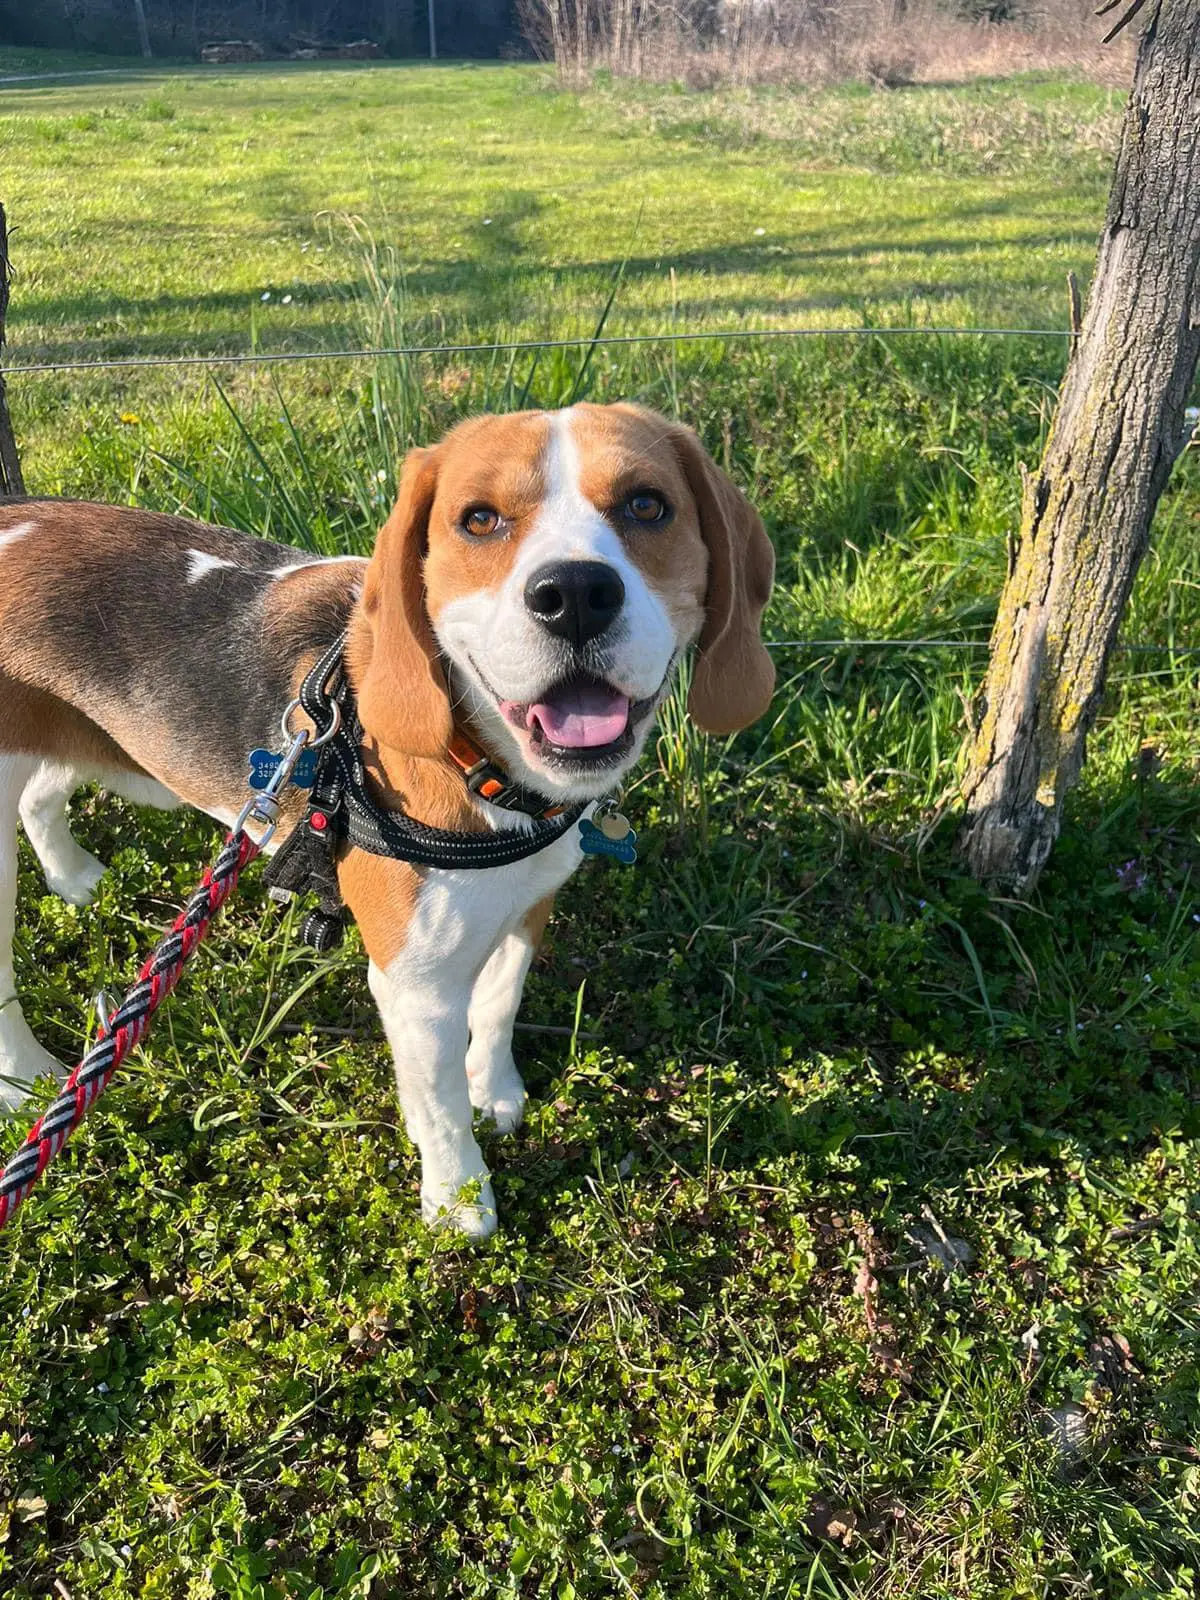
x=127, y=1025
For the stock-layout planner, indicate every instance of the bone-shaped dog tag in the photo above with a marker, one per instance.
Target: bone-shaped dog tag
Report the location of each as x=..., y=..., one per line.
x=264, y=762
x=613, y=838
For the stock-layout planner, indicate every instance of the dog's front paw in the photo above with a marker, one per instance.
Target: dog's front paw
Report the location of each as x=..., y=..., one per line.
x=76, y=882
x=467, y=1208
x=503, y=1102
x=497, y=1092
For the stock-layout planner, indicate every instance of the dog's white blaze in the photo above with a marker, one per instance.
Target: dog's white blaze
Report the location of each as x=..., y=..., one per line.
x=201, y=564
x=570, y=527
x=566, y=506
x=17, y=531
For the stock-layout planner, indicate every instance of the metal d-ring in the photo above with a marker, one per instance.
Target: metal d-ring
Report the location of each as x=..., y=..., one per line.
x=314, y=742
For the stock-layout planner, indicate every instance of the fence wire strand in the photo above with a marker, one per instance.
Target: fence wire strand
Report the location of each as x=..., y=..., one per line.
x=951, y=644
x=515, y=346
x=590, y=341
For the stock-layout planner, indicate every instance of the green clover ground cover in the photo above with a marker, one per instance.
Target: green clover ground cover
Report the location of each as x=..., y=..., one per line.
x=845, y=1190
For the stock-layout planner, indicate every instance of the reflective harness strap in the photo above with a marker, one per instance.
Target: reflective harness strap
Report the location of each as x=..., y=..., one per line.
x=342, y=808
x=364, y=823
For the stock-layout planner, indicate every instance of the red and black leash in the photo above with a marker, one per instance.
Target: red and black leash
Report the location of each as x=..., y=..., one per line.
x=127, y=1025
x=339, y=788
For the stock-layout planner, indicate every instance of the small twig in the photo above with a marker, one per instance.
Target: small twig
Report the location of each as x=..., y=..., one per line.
x=357, y=1033
x=1132, y=1229
x=1076, y=304
x=62, y=1590
x=866, y=1287
x=319, y=1027
x=11, y=481
x=1112, y=5
x=1169, y=1447
x=554, y=1028
x=927, y=1213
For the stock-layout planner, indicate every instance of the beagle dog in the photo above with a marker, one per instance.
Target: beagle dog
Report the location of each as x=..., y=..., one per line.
x=533, y=590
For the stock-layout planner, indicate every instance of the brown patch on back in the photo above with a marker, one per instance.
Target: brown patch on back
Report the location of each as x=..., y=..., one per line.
x=309, y=604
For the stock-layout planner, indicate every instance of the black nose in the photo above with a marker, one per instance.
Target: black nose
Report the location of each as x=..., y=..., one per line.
x=575, y=600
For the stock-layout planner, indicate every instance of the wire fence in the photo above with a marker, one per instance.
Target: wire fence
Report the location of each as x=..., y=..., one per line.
x=592, y=341
x=951, y=644
x=516, y=346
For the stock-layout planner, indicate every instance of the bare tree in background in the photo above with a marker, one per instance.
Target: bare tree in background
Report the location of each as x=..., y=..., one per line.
x=1116, y=432
x=143, y=31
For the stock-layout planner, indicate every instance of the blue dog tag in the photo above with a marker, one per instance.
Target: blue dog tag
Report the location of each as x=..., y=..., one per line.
x=264, y=762
x=594, y=843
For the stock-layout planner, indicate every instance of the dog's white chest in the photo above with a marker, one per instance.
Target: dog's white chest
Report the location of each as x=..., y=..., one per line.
x=460, y=915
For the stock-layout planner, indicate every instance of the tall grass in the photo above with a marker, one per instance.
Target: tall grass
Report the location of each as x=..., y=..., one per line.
x=891, y=517
x=885, y=43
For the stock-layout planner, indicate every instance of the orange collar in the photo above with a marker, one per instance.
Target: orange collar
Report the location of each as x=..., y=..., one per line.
x=490, y=782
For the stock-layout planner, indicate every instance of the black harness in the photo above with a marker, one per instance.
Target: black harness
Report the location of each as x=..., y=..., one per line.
x=341, y=810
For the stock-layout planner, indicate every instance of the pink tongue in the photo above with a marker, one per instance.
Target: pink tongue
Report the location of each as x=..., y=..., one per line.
x=581, y=716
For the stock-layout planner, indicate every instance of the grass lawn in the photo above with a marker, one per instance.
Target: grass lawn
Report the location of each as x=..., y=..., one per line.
x=853, y=1190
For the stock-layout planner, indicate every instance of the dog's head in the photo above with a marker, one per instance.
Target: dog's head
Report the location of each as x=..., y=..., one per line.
x=543, y=573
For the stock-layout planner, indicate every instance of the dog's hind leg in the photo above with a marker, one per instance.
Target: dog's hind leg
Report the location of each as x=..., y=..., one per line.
x=22, y=1058
x=140, y=789
x=69, y=870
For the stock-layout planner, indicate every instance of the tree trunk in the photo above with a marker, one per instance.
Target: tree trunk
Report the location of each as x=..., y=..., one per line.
x=1117, y=430
x=11, y=481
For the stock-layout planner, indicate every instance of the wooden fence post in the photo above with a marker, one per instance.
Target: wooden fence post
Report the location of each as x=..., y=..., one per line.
x=11, y=481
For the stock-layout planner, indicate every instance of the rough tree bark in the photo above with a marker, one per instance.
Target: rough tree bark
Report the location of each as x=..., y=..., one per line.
x=11, y=481
x=1116, y=432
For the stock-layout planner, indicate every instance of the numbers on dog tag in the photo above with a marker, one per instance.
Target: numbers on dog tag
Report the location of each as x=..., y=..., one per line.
x=264, y=762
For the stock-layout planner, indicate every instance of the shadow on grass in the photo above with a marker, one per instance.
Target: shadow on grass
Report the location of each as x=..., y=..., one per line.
x=496, y=284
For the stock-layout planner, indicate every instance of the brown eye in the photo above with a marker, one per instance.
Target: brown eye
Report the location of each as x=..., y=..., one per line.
x=480, y=521
x=646, y=506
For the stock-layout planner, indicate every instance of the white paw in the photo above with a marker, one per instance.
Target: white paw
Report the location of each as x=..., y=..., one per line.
x=498, y=1094
x=22, y=1060
x=469, y=1208
x=76, y=884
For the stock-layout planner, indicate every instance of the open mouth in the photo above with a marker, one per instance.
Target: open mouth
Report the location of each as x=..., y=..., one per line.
x=580, y=720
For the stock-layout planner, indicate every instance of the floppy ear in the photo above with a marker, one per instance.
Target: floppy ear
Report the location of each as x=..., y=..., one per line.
x=402, y=699
x=733, y=677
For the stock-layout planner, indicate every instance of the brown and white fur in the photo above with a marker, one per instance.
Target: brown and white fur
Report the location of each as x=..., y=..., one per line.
x=151, y=654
